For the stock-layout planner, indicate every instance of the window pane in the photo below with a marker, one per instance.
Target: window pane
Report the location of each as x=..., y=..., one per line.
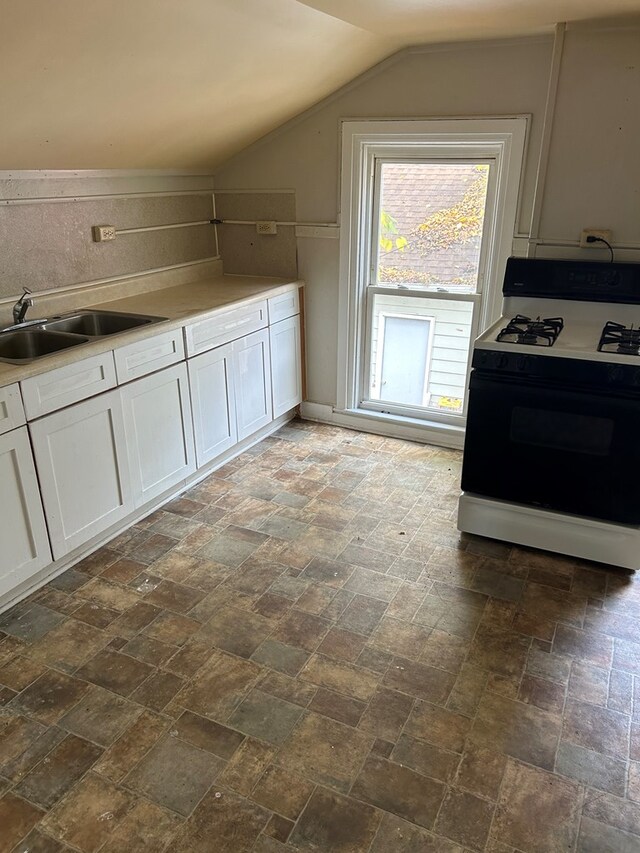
x=431, y=220
x=419, y=351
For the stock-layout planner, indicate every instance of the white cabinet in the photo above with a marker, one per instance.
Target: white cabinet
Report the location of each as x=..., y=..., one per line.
x=251, y=365
x=286, y=371
x=213, y=402
x=117, y=430
x=84, y=474
x=157, y=423
x=231, y=394
x=23, y=534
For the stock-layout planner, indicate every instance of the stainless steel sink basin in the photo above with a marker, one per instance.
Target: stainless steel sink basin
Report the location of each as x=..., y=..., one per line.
x=37, y=338
x=23, y=346
x=98, y=324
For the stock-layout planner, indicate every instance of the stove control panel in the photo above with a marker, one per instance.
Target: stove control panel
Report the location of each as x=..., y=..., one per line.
x=585, y=281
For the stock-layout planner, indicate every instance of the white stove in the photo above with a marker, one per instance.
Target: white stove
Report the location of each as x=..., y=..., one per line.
x=583, y=325
x=552, y=450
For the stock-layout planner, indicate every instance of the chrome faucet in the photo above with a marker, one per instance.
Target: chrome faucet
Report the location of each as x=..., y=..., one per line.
x=21, y=307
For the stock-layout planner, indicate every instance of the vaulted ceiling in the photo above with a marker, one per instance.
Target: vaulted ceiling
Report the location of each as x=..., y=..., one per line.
x=167, y=84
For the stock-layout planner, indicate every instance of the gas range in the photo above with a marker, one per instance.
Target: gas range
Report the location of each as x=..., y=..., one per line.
x=580, y=333
x=555, y=385
x=583, y=325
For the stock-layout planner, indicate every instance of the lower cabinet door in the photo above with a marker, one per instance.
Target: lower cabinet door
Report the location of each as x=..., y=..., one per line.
x=82, y=463
x=213, y=402
x=157, y=422
x=286, y=369
x=252, y=381
x=25, y=544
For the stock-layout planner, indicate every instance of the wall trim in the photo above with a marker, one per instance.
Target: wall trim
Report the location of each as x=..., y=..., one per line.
x=547, y=129
x=24, y=187
x=254, y=192
x=12, y=202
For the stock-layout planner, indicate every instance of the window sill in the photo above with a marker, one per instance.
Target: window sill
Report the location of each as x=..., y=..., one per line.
x=395, y=426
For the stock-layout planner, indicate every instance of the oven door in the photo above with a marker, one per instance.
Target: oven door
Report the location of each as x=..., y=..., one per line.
x=570, y=449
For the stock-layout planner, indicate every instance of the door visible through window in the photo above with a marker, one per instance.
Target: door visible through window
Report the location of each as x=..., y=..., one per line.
x=404, y=359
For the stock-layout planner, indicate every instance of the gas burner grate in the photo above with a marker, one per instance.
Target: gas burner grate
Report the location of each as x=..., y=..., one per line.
x=524, y=330
x=624, y=340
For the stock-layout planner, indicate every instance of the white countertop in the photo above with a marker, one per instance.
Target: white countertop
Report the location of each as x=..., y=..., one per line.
x=179, y=304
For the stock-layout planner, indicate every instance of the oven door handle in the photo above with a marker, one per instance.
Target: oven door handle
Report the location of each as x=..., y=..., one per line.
x=483, y=380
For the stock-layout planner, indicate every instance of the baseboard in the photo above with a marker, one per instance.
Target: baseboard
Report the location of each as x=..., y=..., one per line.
x=316, y=412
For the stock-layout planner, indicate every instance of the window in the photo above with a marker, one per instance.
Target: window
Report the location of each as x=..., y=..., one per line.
x=428, y=214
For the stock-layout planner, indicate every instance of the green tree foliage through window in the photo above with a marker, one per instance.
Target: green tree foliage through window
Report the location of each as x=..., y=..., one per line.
x=389, y=235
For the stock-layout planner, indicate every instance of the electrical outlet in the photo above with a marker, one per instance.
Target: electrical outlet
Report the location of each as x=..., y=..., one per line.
x=267, y=227
x=103, y=232
x=603, y=233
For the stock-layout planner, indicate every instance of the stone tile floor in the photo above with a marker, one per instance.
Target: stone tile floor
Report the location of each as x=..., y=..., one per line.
x=302, y=653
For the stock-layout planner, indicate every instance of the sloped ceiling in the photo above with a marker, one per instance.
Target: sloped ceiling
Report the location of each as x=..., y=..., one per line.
x=186, y=83
x=415, y=21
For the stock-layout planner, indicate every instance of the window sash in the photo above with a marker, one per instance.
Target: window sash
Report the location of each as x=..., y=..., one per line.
x=376, y=189
x=420, y=412
x=480, y=313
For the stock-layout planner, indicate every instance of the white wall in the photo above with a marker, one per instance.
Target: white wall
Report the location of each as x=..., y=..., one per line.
x=593, y=177
x=594, y=165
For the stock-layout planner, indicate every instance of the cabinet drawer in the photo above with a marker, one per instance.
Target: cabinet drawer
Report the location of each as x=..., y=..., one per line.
x=69, y=384
x=147, y=356
x=283, y=306
x=226, y=326
x=11, y=410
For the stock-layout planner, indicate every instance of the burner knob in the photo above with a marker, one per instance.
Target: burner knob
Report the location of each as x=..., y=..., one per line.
x=502, y=360
x=523, y=362
x=636, y=378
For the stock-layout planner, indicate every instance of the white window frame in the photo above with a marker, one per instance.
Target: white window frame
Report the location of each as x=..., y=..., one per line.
x=383, y=315
x=500, y=140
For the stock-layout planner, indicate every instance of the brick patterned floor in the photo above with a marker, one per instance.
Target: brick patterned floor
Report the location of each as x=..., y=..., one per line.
x=303, y=654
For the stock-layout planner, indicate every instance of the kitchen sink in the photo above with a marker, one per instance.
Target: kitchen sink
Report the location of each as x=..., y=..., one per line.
x=27, y=345
x=98, y=324
x=37, y=338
